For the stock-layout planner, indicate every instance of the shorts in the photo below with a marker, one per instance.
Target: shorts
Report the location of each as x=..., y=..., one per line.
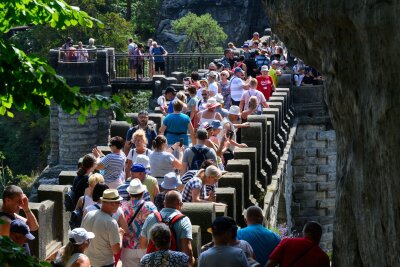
x=131, y=64
x=159, y=66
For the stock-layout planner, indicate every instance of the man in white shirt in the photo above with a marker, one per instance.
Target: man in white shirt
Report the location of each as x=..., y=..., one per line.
x=238, y=86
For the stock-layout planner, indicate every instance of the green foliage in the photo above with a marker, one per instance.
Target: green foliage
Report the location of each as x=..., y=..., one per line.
x=134, y=101
x=13, y=255
x=145, y=17
x=27, y=83
x=203, y=33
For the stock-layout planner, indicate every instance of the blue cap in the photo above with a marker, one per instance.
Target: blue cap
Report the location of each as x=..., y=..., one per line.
x=216, y=124
x=138, y=168
x=19, y=226
x=245, y=46
x=171, y=181
x=238, y=69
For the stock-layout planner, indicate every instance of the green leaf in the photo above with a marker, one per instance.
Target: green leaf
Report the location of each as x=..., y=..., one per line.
x=3, y=110
x=82, y=119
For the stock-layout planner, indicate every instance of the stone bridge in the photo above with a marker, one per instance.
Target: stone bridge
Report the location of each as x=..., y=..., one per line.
x=288, y=168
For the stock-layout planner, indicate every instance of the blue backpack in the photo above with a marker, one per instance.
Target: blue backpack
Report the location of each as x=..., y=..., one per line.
x=200, y=155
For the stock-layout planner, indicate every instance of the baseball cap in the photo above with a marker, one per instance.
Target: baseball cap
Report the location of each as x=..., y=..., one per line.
x=170, y=89
x=222, y=224
x=216, y=124
x=138, y=167
x=79, y=235
x=201, y=134
x=238, y=69
x=245, y=46
x=212, y=74
x=19, y=226
x=274, y=62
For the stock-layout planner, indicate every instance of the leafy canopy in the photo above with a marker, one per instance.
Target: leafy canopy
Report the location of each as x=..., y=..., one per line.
x=203, y=33
x=27, y=82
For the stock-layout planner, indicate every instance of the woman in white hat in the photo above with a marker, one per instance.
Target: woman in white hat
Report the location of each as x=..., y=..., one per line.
x=136, y=210
x=210, y=113
x=73, y=253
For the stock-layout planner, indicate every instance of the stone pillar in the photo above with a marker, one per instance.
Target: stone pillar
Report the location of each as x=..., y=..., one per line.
x=202, y=214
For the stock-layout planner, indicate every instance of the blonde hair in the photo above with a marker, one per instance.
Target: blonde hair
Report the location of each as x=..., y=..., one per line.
x=95, y=178
x=204, y=81
x=181, y=96
x=253, y=82
x=226, y=73
x=139, y=134
x=178, y=105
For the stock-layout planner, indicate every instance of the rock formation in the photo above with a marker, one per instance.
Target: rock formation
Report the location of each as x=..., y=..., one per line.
x=239, y=18
x=355, y=45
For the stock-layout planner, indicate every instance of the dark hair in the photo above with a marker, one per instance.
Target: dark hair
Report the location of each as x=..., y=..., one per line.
x=130, y=40
x=98, y=191
x=11, y=191
x=195, y=76
x=192, y=90
x=88, y=162
x=241, y=58
x=206, y=163
x=160, y=235
x=158, y=142
x=117, y=141
x=313, y=230
x=137, y=196
x=226, y=51
x=140, y=46
x=143, y=112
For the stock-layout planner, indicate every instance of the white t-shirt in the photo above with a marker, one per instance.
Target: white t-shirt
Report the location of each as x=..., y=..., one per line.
x=93, y=207
x=106, y=231
x=161, y=101
x=132, y=155
x=236, y=84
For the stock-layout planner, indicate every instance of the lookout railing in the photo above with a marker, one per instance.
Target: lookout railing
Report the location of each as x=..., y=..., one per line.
x=143, y=66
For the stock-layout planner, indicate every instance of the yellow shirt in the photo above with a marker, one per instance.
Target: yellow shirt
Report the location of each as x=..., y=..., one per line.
x=274, y=76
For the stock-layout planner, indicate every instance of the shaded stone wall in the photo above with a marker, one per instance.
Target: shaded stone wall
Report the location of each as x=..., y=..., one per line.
x=314, y=179
x=239, y=18
x=355, y=45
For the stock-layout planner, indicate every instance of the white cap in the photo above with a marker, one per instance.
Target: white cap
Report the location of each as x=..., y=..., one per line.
x=264, y=68
x=79, y=235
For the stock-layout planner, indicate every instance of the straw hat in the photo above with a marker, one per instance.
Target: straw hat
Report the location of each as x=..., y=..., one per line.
x=111, y=195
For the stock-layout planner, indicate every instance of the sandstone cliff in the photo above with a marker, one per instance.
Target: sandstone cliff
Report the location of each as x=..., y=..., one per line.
x=355, y=44
x=239, y=18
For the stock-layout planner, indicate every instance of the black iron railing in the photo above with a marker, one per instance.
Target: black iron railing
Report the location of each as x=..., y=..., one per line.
x=145, y=66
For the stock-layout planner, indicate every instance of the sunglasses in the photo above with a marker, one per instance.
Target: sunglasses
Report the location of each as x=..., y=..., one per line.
x=204, y=94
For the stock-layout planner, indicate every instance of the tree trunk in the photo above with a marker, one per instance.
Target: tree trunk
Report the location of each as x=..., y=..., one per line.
x=355, y=45
x=128, y=10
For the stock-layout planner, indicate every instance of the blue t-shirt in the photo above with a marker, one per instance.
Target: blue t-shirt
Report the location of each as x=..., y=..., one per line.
x=158, y=52
x=177, y=127
x=262, y=240
x=226, y=256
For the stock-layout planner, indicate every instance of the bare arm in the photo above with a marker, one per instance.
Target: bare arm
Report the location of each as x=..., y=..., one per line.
x=241, y=105
x=122, y=223
x=162, y=129
x=30, y=218
x=143, y=242
x=186, y=245
x=184, y=168
x=127, y=147
x=192, y=133
x=116, y=248
x=79, y=204
x=265, y=104
x=156, y=191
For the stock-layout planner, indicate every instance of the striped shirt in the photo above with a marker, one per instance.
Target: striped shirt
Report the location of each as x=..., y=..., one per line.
x=113, y=167
x=236, y=85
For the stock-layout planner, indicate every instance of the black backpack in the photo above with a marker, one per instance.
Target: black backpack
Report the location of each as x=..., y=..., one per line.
x=69, y=200
x=77, y=216
x=200, y=155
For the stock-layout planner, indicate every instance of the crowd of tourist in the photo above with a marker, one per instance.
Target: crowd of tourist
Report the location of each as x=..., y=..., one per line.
x=126, y=203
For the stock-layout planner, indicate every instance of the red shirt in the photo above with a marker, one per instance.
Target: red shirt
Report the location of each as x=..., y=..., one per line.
x=265, y=85
x=299, y=252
